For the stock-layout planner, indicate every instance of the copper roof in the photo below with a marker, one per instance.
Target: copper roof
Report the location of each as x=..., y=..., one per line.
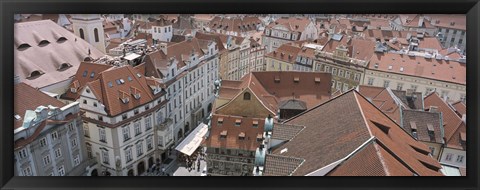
x=228, y=127
x=29, y=98
x=347, y=131
x=44, y=46
x=452, y=123
x=449, y=71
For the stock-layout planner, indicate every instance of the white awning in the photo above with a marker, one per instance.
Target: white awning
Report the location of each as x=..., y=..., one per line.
x=193, y=140
x=131, y=56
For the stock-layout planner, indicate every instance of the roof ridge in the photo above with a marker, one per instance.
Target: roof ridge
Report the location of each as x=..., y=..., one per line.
x=456, y=129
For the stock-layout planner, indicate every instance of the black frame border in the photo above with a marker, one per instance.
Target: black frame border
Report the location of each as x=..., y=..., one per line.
x=10, y=7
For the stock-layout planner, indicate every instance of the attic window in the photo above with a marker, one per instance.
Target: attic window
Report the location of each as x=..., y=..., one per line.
x=139, y=75
x=92, y=75
x=129, y=78
x=43, y=43
x=317, y=79
x=110, y=84
x=259, y=137
x=413, y=125
x=35, y=74
x=88, y=59
x=125, y=100
x=296, y=79
x=255, y=124
x=241, y=136
x=220, y=120
x=390, y=67
x=22, y=47
x=430, y=127
x=463, y=137
x=17, y=117
x=425, y=152
x=61, y=39
x=238, y=122
x=223, y=134
x=85, y=73
x=64, y=66
x=277, y=79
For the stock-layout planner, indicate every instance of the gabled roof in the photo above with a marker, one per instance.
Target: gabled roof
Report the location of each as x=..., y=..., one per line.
x=452, y=123
x=328, y=139
x=86, y=72
x=460, y=108
x=29, y=98
x=286, y=53
x=235, y=24
x=293, y=24
x=281, y=165
x=47, y=48
x=286, y=132
x=121, y=82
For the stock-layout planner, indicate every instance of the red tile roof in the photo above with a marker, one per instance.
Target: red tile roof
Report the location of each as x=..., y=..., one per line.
x=232, y=131
x=29, y=98
x=110, y=96
x=235, y=24
x=347, y=131
x=452, y=123
x=460, y=108
x=286, y=53
x=298, y=24
x=79, y=81
x=449, y=71
x=445, y=21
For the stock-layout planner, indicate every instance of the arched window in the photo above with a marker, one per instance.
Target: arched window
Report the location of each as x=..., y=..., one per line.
x=246, y=96
x=81, y=33
x=95, y=32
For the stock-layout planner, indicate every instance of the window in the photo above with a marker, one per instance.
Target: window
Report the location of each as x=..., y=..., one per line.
x=334, y=71
x=103, y=137
x=149, y=143
x=84, y=101
x=76, y=160
x=74, y=142
x=126, y=133
x=46, y=160
x=135, y=112
x=327, y=69
x=58, y=153
x=91, y=76
x=81, y=33
x=54, y=136
x=432, y=150
x=414, y=87
x=124, y=116
x=27, y=171
x=246, y=96
x=147, y=107
x=333, y=83
x=345, y=87
x=86, y=130
x=339, y=85
x=139, y=149
x=128, y=155
x=61, y=171
x=137, y=128
x=105, y=157
x=159, y=117
x=95, y=33
x=85, y=73
x=148, y=123
x=460, y=159
x=386, y=83
x=357, y=77
x=43, y=142
x=347, y=74
x=71, y=127
x=89, y=151
x=399, y=86
x=370, y=81
x=449, y=157
x=95, y=104
x=340, y=72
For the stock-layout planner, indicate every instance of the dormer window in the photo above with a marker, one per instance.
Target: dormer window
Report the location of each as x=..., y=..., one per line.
x=123, y=96
x=220, y=121
x=64, y=66
x=135, y=92
x=241, y=136
x=431, y=132
x=61, y=40
x=85, y=73
x=317, y=79
x=43, y=43
x=92, y=75
x=296, y=79
x=35, y=74
x=259, y=137
x=238, y=122
x=223, y=134
x=73, y=90
x=24, y=46
x=125, y=100
x=255, y=124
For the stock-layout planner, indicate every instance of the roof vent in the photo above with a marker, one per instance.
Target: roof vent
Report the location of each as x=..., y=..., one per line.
x=23, y=46
x=317, y=79
x=43, y=43
x=296, y=79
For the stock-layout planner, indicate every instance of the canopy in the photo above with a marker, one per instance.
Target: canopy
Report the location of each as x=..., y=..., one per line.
x=193, y=140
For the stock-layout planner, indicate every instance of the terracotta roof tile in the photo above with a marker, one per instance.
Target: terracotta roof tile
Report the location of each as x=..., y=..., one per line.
x=449, y=71
x=286, y=131
x=460, y=108
x=86, y=72
x=422, y=120
x=292, y=23
x=277, y=165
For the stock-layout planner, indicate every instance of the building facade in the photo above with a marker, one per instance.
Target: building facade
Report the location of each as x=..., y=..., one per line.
x=90, y=28
x=285, y=30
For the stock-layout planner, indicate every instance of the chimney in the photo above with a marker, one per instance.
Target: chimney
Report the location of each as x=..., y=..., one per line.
x=433, y=109
x=163, y=47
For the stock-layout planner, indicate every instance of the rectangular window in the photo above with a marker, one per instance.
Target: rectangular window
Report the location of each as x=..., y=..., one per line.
x=345, y=87
x=399, y=86
x=124, y=116
x=135, y=112
x=334, y=71
x=139, y=149
x=89, y=151
x=460, y=159
x=27, y=171
x=149, y=143
x=71, y=127
x=86, y=131
x=61, y=171
x=126, y=133
x=137, y=128
x=58, y=153
x=43, y=142
x=74, y=142
x=148, y=123
x=105, y=157
x=339, y=85
x=46, y=160
x=357, y=77
x=54, y=136
x=103, y=137
x=347, y=74
x=340, y=72
x=76, y=160
x=128, y=155
x=449, y=157
x=386, y=83
x=370, y=81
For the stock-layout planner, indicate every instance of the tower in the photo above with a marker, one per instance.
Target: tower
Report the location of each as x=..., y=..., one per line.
x=162, y=30
x=90, y=28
